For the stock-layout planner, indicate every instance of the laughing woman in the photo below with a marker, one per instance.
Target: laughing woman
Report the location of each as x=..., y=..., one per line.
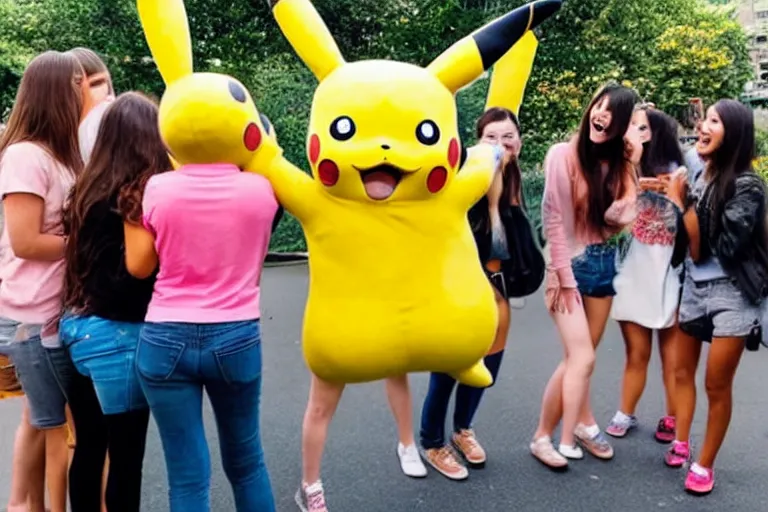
x=726, y=279
x=589, y=196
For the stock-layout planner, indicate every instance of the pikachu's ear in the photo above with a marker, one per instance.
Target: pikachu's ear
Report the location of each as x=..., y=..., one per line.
x=167, y=32
x=466, y=60
x=511, y=74
x=306, y=31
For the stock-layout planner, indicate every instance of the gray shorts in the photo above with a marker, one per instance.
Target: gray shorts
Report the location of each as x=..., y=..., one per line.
x=717, y=309
x=33, y=369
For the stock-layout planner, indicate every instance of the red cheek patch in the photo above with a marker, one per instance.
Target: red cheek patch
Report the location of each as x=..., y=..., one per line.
x=314, y=148
x=436, y=179
x=328, y=172
x=453, y=152
x=252, y=137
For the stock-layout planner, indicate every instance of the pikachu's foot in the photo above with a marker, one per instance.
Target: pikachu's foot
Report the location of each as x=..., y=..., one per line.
x=477, y=376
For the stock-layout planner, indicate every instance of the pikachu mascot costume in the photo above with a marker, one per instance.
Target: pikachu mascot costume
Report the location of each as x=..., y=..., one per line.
x=395, y=284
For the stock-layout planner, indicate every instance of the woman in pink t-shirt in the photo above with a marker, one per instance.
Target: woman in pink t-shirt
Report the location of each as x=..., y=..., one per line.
x=589, y=196
x=39, y=159
x=206, y=229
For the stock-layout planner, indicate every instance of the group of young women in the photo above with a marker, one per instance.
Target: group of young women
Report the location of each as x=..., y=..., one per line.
x=684, y=251
x=112, y=301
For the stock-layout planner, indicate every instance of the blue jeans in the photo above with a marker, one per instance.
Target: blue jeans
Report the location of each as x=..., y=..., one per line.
x=435, y=407
x=175, y=361
x=105, y=351
x=595, y=269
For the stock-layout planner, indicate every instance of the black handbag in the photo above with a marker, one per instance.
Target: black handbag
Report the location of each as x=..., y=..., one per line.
x=524, y=271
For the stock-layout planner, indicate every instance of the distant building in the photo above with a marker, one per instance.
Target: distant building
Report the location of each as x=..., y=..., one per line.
x=753, y=16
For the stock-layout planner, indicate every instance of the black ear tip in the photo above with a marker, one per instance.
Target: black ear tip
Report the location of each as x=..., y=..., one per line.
x=463, y=158
x=543, y=9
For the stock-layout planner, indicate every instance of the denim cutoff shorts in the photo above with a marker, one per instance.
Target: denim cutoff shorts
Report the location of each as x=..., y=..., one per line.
x=595, y=269
x=105, y=351
x=23, y=345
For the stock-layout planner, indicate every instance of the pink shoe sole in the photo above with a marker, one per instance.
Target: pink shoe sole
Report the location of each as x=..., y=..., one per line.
x=664, y=437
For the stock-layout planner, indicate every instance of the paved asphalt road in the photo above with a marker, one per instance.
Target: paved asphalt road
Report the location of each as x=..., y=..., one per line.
x=361, y=470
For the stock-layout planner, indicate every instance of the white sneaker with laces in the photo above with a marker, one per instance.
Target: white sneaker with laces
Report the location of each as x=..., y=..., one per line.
x=410, y=461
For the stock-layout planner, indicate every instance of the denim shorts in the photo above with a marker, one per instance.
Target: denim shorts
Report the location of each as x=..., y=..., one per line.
x=22, y=344
x=595, y=269
x=105, y=351
x=717, y=309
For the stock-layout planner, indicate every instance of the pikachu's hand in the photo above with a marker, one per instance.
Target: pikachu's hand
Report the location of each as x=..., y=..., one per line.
x=475, y=176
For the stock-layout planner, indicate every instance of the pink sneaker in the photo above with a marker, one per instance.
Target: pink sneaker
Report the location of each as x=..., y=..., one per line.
x=700, y=480
x=665, y=431
x=678, y=454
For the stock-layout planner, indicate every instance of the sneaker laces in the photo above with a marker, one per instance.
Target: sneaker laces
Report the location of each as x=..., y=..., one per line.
x=468, y=437
x=315, y=496
x=446, y=456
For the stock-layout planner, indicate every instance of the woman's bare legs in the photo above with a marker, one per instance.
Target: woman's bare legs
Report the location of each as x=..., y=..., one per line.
x=28, y=480
x=686, y=361
x=638, y=341
x=324, y=397
x=57, y=466
x=399, y=397
x=597, y=310
x=722, y=362
x=668, y=353
x=567, y=388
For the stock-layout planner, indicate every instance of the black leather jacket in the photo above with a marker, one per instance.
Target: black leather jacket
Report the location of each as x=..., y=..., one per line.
x=740, y=237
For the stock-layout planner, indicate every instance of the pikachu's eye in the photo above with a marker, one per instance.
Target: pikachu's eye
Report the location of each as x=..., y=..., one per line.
x=237, y=91
x=428, y=133
x=342, y=128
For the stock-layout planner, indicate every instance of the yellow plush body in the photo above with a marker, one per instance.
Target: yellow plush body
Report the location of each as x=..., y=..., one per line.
x=396, y=285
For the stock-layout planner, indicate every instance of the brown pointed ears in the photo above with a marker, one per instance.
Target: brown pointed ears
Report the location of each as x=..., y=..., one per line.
x=467, y=59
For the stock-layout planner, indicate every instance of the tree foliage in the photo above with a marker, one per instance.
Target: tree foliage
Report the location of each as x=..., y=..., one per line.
x=670, y=50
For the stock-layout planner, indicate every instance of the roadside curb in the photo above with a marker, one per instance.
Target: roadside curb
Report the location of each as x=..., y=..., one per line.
x=285, y=259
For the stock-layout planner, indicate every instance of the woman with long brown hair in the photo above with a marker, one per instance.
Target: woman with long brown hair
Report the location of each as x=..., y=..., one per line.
x=589, y=196
x=39, y=160
x=726, y=279
x=106, y=307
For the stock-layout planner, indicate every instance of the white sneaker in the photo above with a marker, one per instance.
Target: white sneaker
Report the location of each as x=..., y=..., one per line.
x=410, y=461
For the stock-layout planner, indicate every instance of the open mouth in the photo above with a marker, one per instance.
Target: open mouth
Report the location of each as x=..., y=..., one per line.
x=598, y=126
x=704, y=140
x=381, y=181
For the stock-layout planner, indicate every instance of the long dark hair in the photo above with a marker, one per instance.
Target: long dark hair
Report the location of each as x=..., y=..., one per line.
x=664, y=147
x=603, y=190
x=47, y=108
x=735, y=154
x=128, y=151
x=512, y=176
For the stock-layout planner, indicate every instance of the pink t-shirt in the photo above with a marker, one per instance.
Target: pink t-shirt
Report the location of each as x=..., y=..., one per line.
x=212, y=225
x=563, y=182
x=30, y=291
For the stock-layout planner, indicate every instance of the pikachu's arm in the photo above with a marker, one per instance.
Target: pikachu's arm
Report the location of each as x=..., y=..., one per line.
x=475, y=176
x=294, y=188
